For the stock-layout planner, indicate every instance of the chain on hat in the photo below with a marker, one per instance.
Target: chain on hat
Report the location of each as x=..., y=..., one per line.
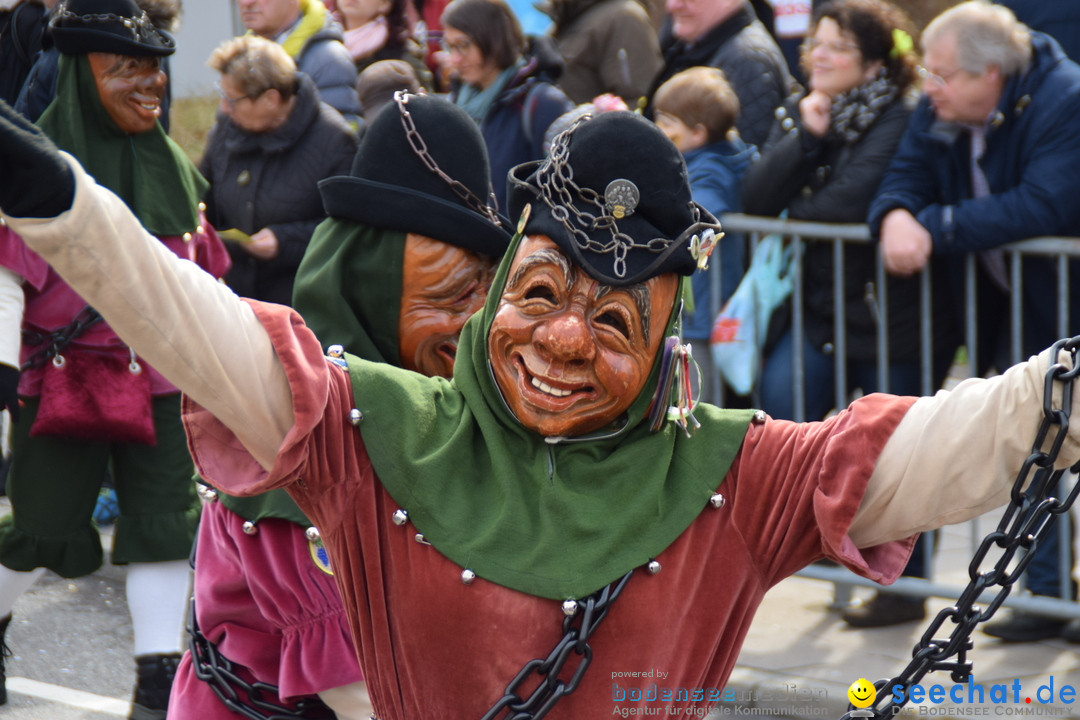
x=140, y=25
x=490, y=210
x=555, y=180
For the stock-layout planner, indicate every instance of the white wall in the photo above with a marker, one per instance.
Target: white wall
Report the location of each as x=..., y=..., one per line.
x=203, y=26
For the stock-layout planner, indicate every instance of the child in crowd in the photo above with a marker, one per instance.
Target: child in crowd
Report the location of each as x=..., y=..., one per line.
x=697, y=109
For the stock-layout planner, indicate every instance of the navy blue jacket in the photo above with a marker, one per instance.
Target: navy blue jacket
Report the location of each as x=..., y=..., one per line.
x=716, y=172
x=514, y=125
x=1030, y=163
x=1059, y=18
x=1031, y=160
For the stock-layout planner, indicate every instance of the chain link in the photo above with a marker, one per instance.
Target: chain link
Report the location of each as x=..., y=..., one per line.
x=1031, y=510
x=558, y=190
x=140, y=25
x=577, y=629
x=416, y=141
x=243, y=698
x=59, y=339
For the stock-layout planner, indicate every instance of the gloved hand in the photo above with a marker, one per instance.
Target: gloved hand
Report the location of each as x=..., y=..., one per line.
x=34, y=180
x=9, y=386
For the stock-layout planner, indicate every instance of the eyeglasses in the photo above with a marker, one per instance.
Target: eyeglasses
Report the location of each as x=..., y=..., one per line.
x=833, y=47
x=230, y=101
x=459, y=48
x=932, y=78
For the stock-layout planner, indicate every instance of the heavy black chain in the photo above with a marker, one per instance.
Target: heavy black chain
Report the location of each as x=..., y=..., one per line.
x=247, y=699
x=59, y=339
x=1027, y=517
x=581, y=618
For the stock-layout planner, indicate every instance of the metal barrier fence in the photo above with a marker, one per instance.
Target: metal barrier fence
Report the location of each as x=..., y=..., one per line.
x=838, y=235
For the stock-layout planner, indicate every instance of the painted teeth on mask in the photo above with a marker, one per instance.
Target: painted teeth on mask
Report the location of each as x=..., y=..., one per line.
x=544, y=387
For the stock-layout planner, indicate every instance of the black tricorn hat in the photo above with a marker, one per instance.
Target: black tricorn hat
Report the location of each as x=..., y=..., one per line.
x=422, y=168
x=613, y=194
x=107, y=26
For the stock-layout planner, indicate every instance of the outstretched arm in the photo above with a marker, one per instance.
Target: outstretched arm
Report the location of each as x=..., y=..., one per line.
x=191, y=328
x=955, y=455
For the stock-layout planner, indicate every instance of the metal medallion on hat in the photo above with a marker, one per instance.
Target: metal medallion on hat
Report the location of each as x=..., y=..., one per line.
x=621, y=197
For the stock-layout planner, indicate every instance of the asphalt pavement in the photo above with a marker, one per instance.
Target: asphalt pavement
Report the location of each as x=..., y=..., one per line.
x=71, y=647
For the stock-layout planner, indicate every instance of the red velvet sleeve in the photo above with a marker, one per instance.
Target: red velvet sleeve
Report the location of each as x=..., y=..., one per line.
x=799, y=485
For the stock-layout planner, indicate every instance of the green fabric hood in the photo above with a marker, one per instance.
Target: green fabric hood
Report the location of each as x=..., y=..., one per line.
x=348, y=288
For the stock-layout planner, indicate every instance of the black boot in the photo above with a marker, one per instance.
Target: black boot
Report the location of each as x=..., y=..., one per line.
x=884, y=610
x=5, y=652
x=154, y=678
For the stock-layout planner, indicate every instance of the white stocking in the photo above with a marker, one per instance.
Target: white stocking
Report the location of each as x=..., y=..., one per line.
x=349, y=702
x=158, y=595
x=13, y=584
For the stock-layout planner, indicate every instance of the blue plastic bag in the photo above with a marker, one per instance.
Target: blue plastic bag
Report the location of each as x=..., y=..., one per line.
x=738, y=333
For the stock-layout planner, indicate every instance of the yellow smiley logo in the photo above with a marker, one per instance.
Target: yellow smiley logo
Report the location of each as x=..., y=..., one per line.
x=861, y=693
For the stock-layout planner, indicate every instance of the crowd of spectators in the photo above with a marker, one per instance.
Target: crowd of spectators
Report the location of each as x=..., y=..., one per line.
x=949, y=141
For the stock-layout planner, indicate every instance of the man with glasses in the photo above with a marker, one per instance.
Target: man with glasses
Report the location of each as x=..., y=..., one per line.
x=990, y=158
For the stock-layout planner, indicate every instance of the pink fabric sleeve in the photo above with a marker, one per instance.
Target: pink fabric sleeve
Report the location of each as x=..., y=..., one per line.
x=20, y=259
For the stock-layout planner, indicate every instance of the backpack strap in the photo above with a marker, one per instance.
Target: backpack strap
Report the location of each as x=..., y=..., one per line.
x=528, y=109
x=23, y=36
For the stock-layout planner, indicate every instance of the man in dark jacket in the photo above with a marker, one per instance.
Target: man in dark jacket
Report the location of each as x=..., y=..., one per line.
x=726, y=34
x=989, y=158
x=609, y=46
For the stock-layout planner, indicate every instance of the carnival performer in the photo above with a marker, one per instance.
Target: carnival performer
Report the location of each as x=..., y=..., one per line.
x=376, y=280
x=89, y=400
x=466, y=518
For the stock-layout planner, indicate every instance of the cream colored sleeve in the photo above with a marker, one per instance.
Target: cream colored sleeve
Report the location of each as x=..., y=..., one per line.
x=12, y=302
x=955, y=455
x=194, y=330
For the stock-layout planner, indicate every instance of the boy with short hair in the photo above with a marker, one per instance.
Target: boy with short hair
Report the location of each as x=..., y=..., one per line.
x=697, y=110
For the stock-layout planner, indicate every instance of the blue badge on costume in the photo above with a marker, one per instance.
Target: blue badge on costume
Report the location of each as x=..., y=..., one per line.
x=319, y=556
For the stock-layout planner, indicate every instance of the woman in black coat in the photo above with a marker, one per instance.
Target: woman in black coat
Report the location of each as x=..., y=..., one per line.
x=272, y=143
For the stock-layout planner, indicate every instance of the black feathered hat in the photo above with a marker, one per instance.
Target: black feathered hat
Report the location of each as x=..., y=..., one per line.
x=422, y=167
x=613, y=194
x=107, y=26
